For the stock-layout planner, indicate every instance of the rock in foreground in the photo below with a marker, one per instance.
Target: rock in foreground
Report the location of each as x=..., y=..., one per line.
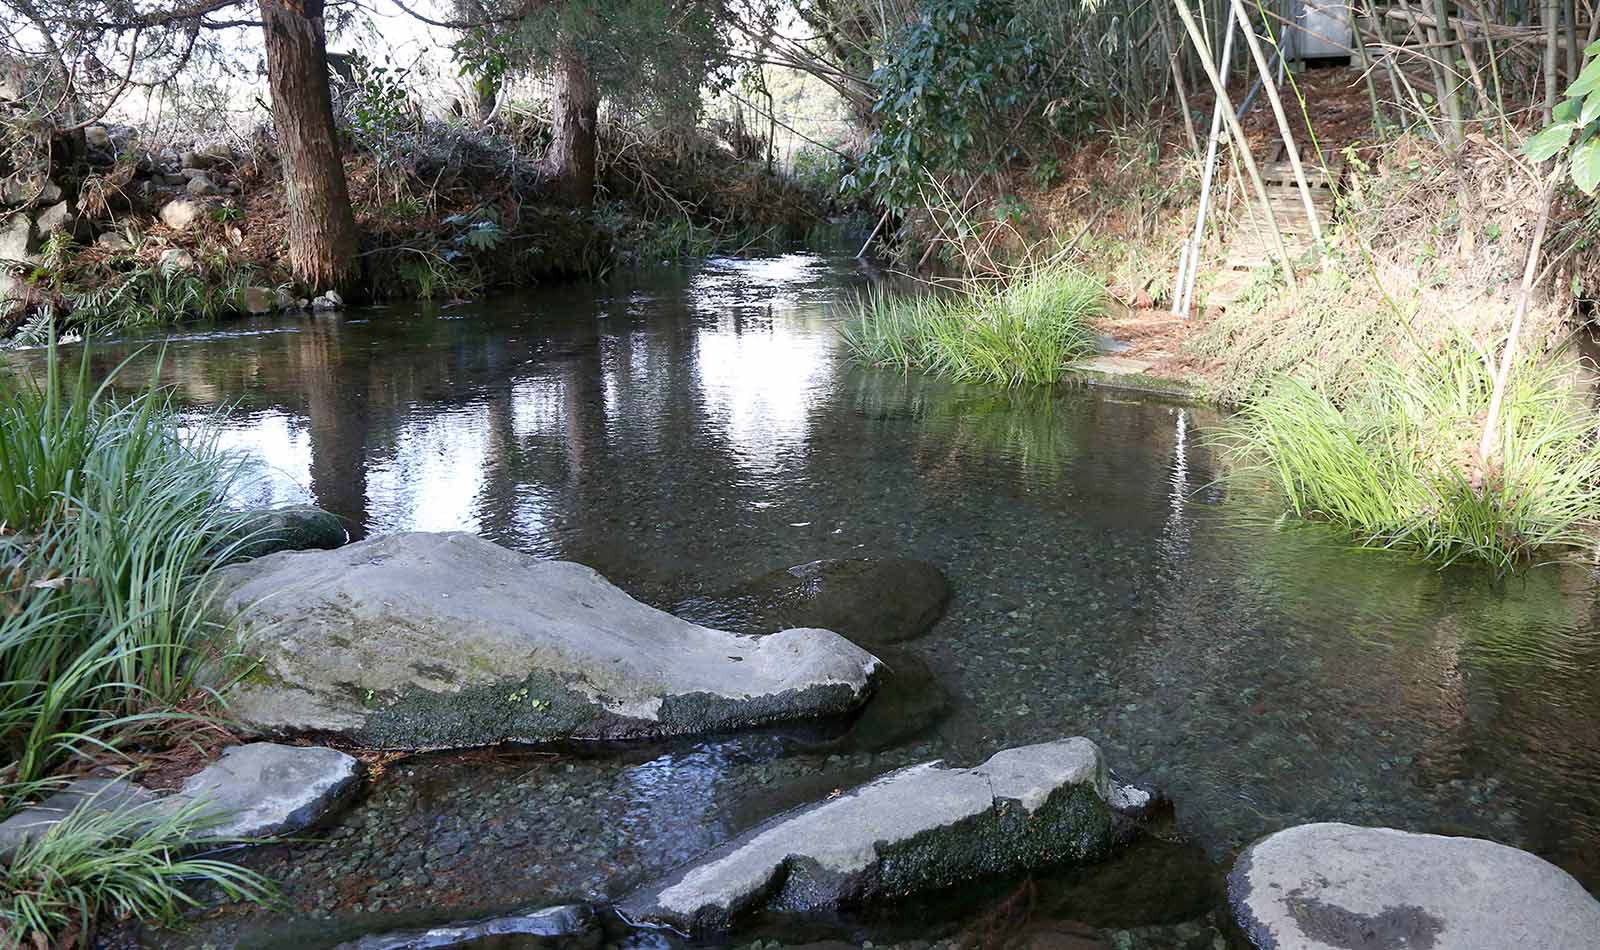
x=253, y=791
x=566, y=921
x=447, y=640
x=1334, y=886
x=918, y=829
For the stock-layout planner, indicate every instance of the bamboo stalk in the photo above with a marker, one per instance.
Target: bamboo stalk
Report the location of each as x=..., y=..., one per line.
x=1491, y=424
x=1240, y=141
x=1177, y=78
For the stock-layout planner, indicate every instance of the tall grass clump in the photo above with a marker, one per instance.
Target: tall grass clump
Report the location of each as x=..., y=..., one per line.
x=1026, y=332
x=128, y=863
x=1397, y=464
x=112, y=518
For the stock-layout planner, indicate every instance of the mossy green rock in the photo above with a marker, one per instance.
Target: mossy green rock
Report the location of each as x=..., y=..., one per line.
x=919, y=829
x=425, y=640
x=290, y=528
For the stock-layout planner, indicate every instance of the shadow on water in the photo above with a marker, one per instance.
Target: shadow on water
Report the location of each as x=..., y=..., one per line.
x=694, y=431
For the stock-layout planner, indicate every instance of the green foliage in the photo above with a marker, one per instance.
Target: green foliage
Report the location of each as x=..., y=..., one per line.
x=112, y=523
x=1396, y=466
x=123, y=863
x=642, y=54
x=110, y=526
x=1329, y=329
x=1027, y=332
x=1575, y=127
x=378, y=104
x=952, y=87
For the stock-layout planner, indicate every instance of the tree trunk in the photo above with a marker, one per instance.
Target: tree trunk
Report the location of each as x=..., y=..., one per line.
x=570, y=162
x=322, y=228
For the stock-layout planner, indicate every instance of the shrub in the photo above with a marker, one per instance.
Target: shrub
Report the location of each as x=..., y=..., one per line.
x=1397, y=465
x=1026, y=332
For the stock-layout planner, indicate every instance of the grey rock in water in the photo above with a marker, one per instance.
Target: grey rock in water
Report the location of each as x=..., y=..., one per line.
x=328, y=301
x=180, y=214
x=291, y=528
x=262, y=789
x=252, y=791
x=426, y=640
x=1334, y=886
x=568, y=920
x=871, y=601
x=917, y=829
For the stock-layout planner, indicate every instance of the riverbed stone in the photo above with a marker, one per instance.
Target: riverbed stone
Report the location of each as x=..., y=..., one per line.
x=918, y=829
x=180, y=214
x=262, y=789
x=426, y=640
x=872, y=601
x=566, y=921
x=252, y=791
x=1332, y=886
x=327, y=301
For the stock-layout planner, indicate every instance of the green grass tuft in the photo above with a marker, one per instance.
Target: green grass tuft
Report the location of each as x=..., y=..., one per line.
x=1025, y=333
x=1396, y=463
x=121, y=863
x=113, y=515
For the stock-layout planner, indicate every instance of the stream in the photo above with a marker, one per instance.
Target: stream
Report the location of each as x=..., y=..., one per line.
x=682, y=432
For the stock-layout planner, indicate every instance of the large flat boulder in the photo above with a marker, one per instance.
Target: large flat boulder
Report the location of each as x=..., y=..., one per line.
x=1333, y=887
x=917, y=829
x=428, y=640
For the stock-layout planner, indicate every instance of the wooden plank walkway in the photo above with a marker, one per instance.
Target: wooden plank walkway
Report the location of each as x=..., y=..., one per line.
x=1249, y=242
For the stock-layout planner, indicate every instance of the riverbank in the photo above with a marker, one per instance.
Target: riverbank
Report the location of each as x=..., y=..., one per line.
x=129, y=231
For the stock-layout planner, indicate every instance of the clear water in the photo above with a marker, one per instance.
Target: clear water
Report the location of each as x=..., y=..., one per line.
x=685, y=433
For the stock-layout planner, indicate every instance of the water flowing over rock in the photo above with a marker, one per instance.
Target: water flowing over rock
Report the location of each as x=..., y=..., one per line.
x=428, y=640
x=253, y=791
x=917, y=829
x=1333, y=886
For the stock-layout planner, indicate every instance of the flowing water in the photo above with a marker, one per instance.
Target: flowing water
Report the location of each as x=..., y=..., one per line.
x=684, y=433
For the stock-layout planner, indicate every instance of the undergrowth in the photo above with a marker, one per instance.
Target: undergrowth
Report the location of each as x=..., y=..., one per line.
x=1027, y=332
x=1396, y=463
x=112, y=520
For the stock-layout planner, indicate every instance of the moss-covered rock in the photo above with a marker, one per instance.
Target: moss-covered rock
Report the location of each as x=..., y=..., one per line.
x=918, y=829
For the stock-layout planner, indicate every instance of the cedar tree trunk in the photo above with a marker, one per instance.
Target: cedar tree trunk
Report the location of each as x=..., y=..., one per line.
x=570, y=162
x=322, y=228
